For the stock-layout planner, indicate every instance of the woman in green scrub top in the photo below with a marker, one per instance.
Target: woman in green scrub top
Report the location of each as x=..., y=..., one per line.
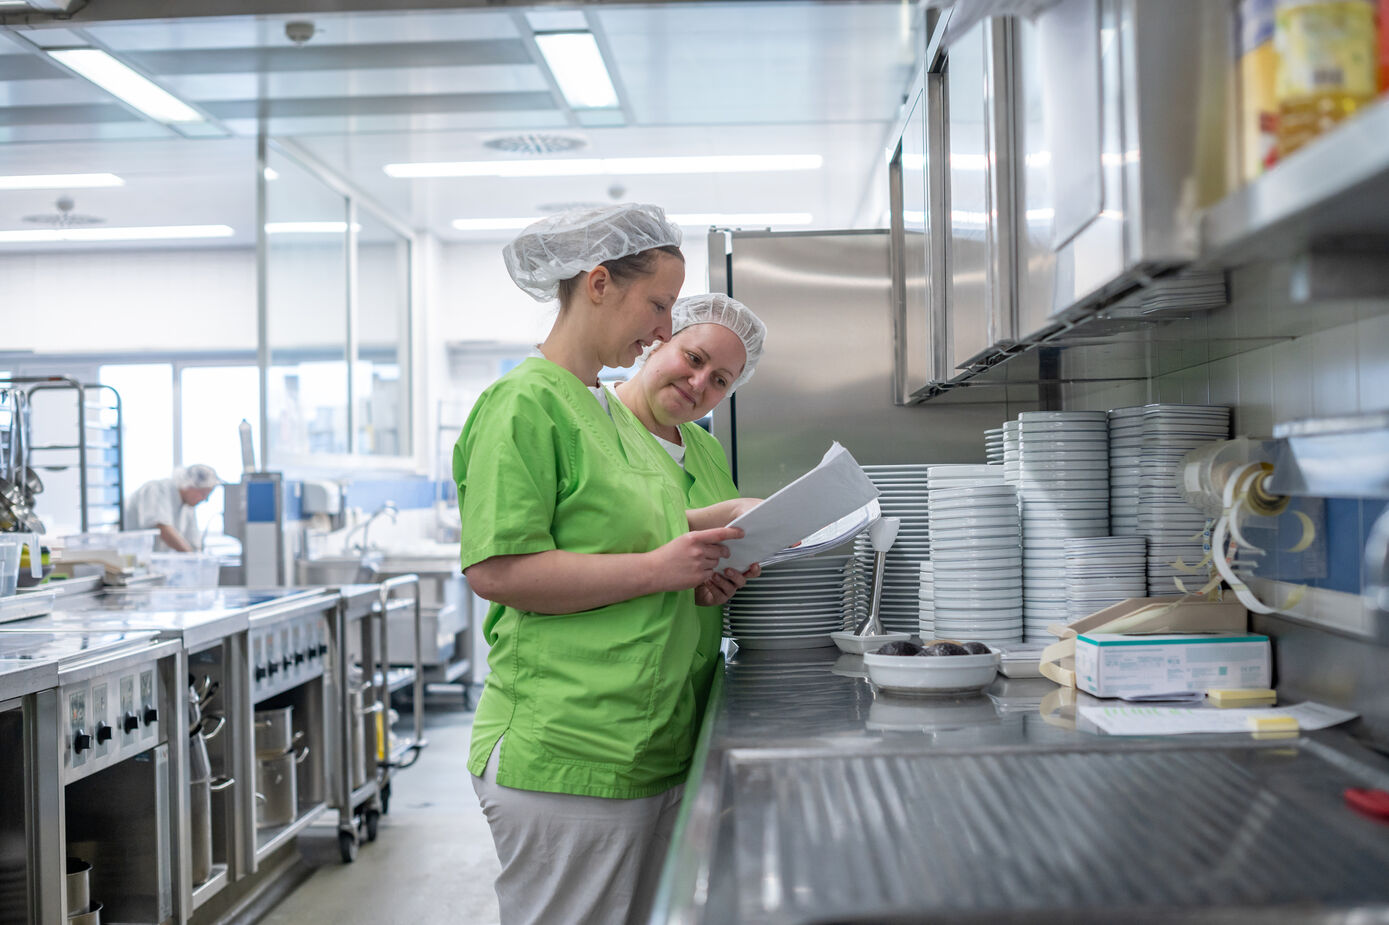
x=715, y=346
x=575, y=532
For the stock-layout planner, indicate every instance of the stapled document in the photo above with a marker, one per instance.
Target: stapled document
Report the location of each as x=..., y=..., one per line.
x=834, y=494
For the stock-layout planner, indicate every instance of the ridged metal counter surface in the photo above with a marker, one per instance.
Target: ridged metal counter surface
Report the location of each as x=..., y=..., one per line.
x=816, y=799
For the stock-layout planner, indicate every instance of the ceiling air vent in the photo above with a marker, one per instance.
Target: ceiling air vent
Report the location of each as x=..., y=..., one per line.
x=536, y=143
x=64, y=217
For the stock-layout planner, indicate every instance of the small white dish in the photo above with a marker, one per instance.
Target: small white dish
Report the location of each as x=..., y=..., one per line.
x=862, y=645
x=938, y=674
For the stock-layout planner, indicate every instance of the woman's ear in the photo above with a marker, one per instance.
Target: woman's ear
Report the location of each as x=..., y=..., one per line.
x=598, y=283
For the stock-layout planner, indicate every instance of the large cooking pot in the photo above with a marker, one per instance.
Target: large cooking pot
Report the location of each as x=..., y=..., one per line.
x=277, y=789
x=200, y=823
x=89, y=916
x=274, y=732
x=78, y=885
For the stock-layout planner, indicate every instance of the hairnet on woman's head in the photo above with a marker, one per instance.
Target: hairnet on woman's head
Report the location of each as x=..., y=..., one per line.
x=196, y=476
x=560, y=247
x=717, y=308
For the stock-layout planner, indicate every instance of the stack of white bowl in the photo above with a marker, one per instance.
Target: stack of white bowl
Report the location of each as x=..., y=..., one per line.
x=791, y=605
x=901, y=494
x=1103, y=570
x=977, y=563
x=1173, y=526
x=927, y=624
x=1064, y=486
x=993, y=446
x=1125, y=469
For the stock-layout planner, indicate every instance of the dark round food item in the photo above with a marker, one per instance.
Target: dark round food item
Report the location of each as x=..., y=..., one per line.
x=900, y=648
x=944, y=648
x=976, y=648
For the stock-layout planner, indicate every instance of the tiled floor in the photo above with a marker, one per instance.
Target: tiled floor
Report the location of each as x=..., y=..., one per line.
x=433, y=860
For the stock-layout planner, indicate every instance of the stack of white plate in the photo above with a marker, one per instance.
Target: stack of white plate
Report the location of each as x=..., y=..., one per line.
x=901, y=494
x=993, y=446
x=1064, y=486
x=1173, y=527
x=976, y=562
x=1125, y=467
x=792, y=605
x=1011, y=463
x=1104, y=570
x=927, y=625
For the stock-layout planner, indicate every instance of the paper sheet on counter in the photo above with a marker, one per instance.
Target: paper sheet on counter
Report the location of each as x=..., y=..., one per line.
x=834, y=490
x=1153, y=720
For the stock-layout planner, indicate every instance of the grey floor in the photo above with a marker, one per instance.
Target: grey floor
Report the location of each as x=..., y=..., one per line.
x=432, y=860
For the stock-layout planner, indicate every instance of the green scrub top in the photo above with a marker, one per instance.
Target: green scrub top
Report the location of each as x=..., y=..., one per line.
x=704, y=480
x=598, y=703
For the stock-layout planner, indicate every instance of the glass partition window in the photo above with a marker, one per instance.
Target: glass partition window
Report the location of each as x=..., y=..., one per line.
x=214, y=400
x=306, y=280
x=147, y=400
x=380, y=387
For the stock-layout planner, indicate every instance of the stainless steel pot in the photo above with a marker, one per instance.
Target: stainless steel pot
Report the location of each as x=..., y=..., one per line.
x=200, y=823
x=274, y=731
x=277, y=789
x=361, y=736
x=79, y=885
x=90, y=916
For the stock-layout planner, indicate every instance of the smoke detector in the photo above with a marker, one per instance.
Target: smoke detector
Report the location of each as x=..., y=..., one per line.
x=299, y=31
x=64, y=217
x=536, y=143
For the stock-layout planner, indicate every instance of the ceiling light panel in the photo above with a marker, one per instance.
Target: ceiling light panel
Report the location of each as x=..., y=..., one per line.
x=61, y=181
x=143, y=233
x=688, y=219
x=578, y=68
x=122, y=82
x=588, y=167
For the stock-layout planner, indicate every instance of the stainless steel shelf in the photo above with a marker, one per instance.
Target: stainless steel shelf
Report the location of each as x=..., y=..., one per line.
x=269, y=839
x=1333, y=189
x=210, y=887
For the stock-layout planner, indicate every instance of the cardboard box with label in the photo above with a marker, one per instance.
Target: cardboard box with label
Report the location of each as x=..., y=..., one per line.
x=1119, y=665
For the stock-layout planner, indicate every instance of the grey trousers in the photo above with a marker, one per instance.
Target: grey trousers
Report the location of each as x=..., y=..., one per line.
x=575, y=860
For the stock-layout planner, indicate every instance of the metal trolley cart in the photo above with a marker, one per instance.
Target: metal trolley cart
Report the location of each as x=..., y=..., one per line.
x=365, y=760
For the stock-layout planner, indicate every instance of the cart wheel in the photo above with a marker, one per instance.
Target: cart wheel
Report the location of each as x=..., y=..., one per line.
x=373, y=818
x=385, y=796
x=347, y=846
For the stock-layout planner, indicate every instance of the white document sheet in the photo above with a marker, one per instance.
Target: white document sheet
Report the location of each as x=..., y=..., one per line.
x=834, y=489
x=1155, y=720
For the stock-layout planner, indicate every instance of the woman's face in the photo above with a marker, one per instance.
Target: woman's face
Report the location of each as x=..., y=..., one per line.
x=643, y=310
x=685, y=378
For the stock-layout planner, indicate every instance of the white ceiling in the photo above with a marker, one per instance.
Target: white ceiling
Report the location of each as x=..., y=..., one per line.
x=373, y=88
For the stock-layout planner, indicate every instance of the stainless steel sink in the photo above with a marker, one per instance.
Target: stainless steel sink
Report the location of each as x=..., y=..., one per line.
x=340, y=570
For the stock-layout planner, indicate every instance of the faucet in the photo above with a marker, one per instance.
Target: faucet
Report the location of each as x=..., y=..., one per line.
x=388, y=509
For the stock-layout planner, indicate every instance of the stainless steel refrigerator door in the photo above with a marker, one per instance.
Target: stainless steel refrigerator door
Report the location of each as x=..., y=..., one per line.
x=827, y=371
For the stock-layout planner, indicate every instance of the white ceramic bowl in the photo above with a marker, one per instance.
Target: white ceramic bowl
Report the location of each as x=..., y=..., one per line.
x=940, y=674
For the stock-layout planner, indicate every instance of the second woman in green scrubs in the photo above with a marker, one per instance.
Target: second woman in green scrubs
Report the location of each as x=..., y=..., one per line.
x=715, y=346
x=572, y=528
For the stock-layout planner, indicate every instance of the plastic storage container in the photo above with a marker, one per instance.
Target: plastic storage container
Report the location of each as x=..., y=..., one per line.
x=186, y=569
x=134, y=547
x=11, y=551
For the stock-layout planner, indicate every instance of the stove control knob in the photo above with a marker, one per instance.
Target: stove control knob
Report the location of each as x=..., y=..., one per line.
x=274, y=668
x=103, y=733
x=130, y=722
x=260, y=672
x=322, y=649
x=298, y=658
x=81, y=741
x=151, y=715
x=287, y=662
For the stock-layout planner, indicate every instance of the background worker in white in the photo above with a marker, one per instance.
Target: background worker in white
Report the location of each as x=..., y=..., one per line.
x=168, y=505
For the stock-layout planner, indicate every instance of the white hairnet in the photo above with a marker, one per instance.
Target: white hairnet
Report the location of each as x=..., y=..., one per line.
x=717, y=308
x=560, y=247
x=196, y=476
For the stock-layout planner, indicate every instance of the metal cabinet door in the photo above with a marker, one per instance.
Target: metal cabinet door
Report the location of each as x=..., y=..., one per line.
x=914, y=324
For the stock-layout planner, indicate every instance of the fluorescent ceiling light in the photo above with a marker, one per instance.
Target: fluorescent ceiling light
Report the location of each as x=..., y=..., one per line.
x=308, y=227
x=688, y=219
x=60, y=181
x=271, y=173
x=594, y=166
x=12, y=4
x=146, y=233
x=576, y=62
x=120, y=81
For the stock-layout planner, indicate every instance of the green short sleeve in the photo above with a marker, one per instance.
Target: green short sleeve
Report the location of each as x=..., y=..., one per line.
x=507, y=466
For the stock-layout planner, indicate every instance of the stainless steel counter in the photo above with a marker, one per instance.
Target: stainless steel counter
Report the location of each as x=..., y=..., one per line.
x=816, y=799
